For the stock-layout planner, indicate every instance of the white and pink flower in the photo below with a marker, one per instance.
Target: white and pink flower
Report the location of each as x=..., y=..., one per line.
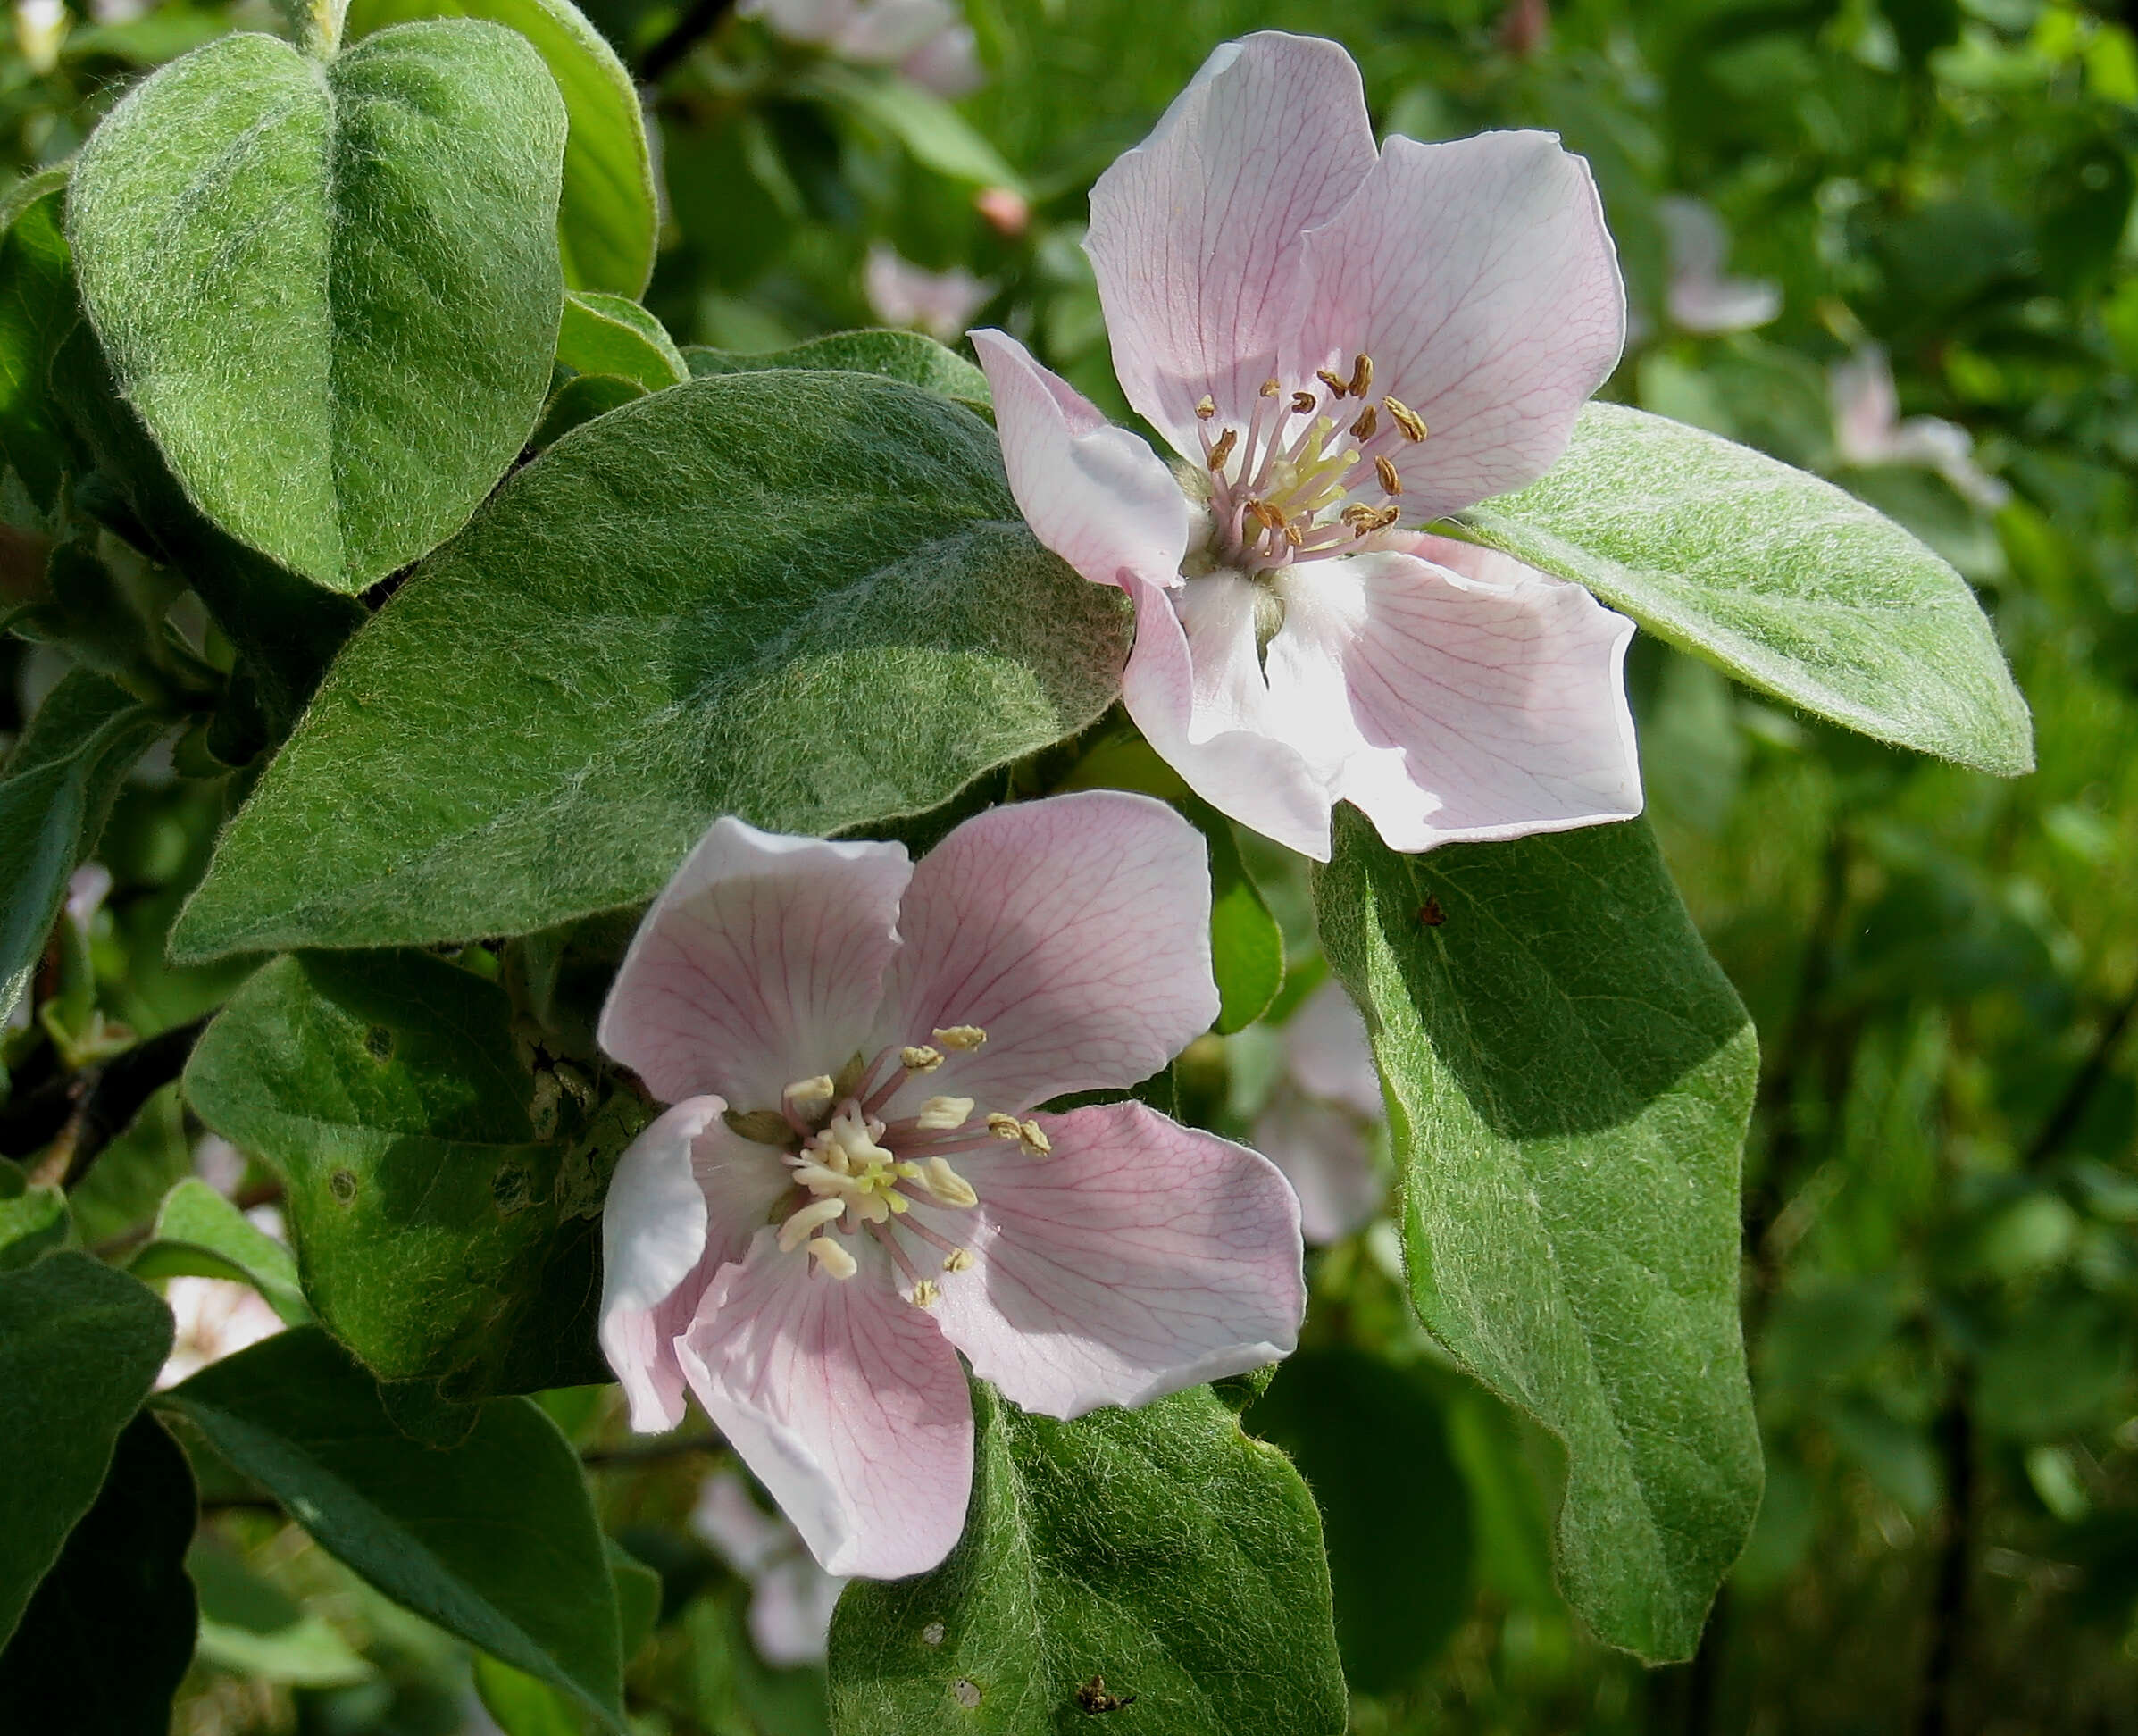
x=1342, y=345
x=856, y=1183
x=928, y=41
x=1318, y=1124
x=791, y=1598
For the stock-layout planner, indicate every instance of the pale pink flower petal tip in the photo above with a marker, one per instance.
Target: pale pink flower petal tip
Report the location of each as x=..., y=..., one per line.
x=1343, y=345
x=856, y=1183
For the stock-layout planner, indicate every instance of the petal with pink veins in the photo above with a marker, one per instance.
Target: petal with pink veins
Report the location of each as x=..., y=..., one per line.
x=1074, y=931
x=1196, y=689
x=1140, y=1257
x=1481, y=278
x=1195, y=233
x=844, y=1401
x=760, y=962
x=1093, y=493
x=1486, y=700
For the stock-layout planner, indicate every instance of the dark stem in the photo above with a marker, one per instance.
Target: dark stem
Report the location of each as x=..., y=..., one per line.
x=699, y=21
x=79, y=1114
x=651, y=1452
x=2071, y=1107
x=1704, y=1677
x=1949, y=1613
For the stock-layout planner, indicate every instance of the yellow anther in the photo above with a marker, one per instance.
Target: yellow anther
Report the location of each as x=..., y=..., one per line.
x=1302, y=402
x=1270, y=389
x=805, y=1223
x=926, y=1294
x=1368, y=422
x=960, y=1037
x=1035, y=1139
x=1004, y=1127
x=1386, y=472
x=959, y=1259
x=833, y=1259
x=1336, y=383
x=920, y=1058
x=947, y=1185
x=939, y=1114
x=809, y=1097
x=899, y=1203
x=1362, y=375
x=1207, y=409
x=1404, y=418
x=1222, y=450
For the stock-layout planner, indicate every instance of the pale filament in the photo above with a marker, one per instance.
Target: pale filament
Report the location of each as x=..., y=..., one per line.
x=1280, y=493
x=860, y=1173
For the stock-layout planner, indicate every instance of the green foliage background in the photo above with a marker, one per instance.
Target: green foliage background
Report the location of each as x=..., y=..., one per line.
x=1940, y=1209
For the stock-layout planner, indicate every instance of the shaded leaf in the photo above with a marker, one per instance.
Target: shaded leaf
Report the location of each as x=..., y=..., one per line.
x=581, y=400
x=903, y=355
x=37, y=310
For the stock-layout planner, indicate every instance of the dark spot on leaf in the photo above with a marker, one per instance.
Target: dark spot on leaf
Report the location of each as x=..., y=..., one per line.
x=513, y=1188
x=378, y=1043
x=1431, y=914
x=342, y=1185
x=966, y=1693
x=1093, y=1696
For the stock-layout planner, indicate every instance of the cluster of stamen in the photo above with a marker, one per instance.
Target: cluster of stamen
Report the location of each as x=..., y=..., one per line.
x=1288, y=488
x=855, y=1173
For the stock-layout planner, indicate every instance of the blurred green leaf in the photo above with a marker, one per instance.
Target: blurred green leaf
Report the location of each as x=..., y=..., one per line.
x=332, y=296
x=607, y=223
x=1569, y=1076
x=803, y=598
x=1159, y=1549
x=493, y=1540
x=2058, y=1365
x=387, y=1091
x=1782, y=580
x=36, y=310
x=935, y=133
x=80, y=1346
x=612, y=335
x=903, y=355
x=33, y=1219
x=251, y=1628
x=198, y=1233
x=105, y=1641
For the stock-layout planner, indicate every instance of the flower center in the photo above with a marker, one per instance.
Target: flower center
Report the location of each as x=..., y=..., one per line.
x=1308, y=477
x=858, y=1173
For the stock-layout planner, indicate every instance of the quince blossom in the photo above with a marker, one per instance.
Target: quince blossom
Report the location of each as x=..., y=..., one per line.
x=855, y=1182
x=1341, y=343
x=1867, y=430
x=1318, y=1124
x=791, y=1598
x=926, y=40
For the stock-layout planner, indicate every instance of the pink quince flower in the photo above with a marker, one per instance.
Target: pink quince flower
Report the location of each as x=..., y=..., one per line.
x=1867, y=430
x=791, y=1598
x=1701, y=296
x=1317, y=1126
x=927, y=40
x=1338, y=341
x=856, y=1183
x=903, y=294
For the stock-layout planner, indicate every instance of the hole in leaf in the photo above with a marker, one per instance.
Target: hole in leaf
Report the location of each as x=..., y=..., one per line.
x=378, y=1043
x=966, y=1693
x=513, y=1188
x=342, y=1185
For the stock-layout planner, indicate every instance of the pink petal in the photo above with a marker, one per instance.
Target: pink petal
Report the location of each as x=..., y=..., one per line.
x=1326, y=1156
x=1075, y=932
x=760, y=965
x=1480, y=277
x=844, y=1401
x=1485, y=700
x=1198, y=694
x=746, y=1537
x=1326, y=1046
x=791, y=1611
x=947, y=63
x=1140, y=1257
x=1195, y=232
x=687, y=1196
x=1093, y=493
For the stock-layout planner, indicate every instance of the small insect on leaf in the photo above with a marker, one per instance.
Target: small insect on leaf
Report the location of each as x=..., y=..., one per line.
x=1093, y=1696
x=1431, y=914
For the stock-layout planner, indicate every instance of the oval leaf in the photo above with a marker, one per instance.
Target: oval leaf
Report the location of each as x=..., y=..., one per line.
x=493, y=1538
x=612, y=335
x=803, y=598
x=1783, y=580
x=199, y=1233
x=607, y=223
x=1569, y=1076
x=1155, y=1558
x=80, y=1346
x=903, y=355
x=332, y=294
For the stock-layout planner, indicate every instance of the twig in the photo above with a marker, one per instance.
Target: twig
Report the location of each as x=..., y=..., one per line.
x=653, y=1452
x=1949, y=1614
x=697, y=23
x=80, y=1114
x=2071, y=1107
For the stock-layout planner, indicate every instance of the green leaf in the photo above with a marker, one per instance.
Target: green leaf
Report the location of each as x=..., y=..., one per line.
x=251, y=1627
x=440, y=1236
x=608, y=224
x=581, y=400
x=80, y=1346
x=105, y=1641
x=612, y=335
x=803, y=598
x=1398, y=1544
x=936, y=135
x=1569, y=1077
x=903, y=355
x=1156, y=1553
x=198, y=1233
x=1779, y=577
x=57, y=789
x=523, y=1706
x=36, y=310
x=332, y=295
x=494, y=1539
x=33, y=1219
